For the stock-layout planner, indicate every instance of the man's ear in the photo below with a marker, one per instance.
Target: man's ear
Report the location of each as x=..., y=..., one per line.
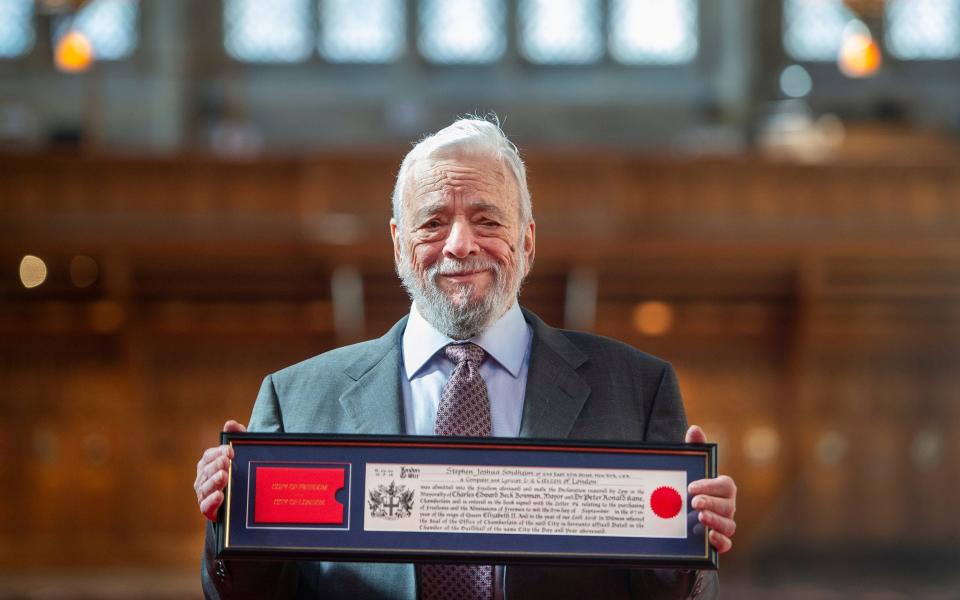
x=530, y=244
x=394, y=234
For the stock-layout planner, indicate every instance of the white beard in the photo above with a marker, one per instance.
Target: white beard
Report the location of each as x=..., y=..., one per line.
x=460, y=315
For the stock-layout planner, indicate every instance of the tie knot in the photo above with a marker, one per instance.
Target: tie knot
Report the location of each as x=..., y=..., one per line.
x=468, y=352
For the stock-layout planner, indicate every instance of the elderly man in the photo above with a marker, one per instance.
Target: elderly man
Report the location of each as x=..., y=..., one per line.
x=468, y=360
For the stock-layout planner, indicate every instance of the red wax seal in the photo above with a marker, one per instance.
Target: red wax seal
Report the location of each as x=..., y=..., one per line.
x=298, y=495
x=665, y=502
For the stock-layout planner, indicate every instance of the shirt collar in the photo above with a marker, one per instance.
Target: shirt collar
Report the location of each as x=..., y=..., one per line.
x=506, y=341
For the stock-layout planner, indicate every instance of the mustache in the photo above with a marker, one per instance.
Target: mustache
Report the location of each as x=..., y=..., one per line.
x=453, y=266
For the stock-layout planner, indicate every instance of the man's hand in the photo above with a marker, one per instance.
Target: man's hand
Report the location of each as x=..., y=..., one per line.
x=715, y=500
x=212, y=474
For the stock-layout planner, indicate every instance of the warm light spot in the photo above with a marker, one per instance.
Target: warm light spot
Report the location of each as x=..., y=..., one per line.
x=33, y=271
x=652, y=318
x=74, y=53
x=83, y=271
x=761, y=445
x=859, y=55
x=106, y=316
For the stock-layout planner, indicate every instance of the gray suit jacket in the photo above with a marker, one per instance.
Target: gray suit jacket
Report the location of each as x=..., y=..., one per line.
x=579, y=386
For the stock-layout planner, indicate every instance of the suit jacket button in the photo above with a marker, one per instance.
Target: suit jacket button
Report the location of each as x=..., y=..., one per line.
x=697, y=585
x=221, y=570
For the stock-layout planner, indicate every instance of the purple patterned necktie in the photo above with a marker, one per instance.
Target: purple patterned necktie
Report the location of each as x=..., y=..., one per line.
x=464, y=410
x=464, y=406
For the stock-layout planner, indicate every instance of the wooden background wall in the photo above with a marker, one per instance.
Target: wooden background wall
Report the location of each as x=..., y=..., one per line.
x=811, y=311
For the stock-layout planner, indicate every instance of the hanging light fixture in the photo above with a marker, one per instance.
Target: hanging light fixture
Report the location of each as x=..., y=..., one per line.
x=73, y=50
x=860, y=55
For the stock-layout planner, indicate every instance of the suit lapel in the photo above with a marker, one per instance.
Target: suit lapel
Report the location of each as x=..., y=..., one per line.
x=374, y=403
x=555, y=391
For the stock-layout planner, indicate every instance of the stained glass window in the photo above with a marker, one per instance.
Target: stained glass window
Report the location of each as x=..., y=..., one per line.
x=461, y=31
x=653, y=31
x=371, y=31
x=268, y=31
x=813, y=29
x=110, y=25
x=16, y=27
x=561, y=31
x=923, y=29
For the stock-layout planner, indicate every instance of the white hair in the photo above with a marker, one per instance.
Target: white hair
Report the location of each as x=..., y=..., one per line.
x=473, y=135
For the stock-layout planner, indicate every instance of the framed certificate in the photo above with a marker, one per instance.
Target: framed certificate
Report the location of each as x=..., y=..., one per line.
x=446, y=499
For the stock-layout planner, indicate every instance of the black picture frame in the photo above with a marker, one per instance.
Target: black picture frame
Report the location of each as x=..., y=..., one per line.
x=239, y=535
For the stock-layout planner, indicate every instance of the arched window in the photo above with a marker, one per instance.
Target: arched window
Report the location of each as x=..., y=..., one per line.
x=267, y=31
x=813, y=29
x=16, y=28
x=461, y=31
x=561, y=31
x=660, y=32
x=372, y=31
x=110, y=25
x=923, y=29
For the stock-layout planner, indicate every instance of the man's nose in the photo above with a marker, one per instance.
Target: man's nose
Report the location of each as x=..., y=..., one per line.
x=460, y=242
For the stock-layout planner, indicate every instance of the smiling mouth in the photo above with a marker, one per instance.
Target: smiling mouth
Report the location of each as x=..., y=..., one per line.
x=463, y=274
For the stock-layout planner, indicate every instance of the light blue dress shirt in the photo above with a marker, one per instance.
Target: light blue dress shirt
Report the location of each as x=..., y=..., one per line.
x=426, y=370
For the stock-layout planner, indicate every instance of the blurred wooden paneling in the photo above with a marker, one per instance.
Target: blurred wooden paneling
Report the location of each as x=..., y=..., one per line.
x=812, y=316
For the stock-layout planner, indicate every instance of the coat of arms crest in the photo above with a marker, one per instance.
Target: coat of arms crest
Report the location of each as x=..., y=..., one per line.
x=391, y=501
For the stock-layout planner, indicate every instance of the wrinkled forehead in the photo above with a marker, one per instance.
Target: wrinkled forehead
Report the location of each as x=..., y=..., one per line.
x=456, y=170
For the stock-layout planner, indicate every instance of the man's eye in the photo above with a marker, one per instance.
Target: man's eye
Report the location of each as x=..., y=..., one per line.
x=431, y=224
